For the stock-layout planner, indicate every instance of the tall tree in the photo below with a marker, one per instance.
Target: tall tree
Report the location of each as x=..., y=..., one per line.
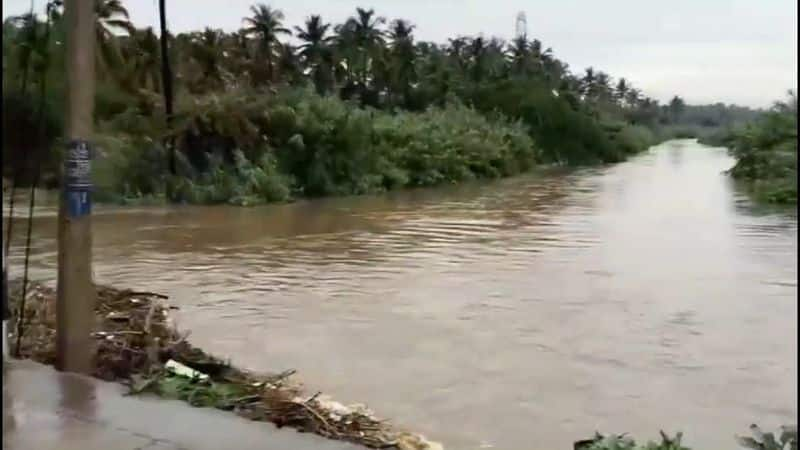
x=676, y=107
x=587, y=85
x=142, y=63
x=621, y=90
x=112, y=19
x=402, y=53
x=476, y=53
x=206, y=50
x=265, y=25
x=28, y=26
x=602, y=87
x=362, y=31
x=632, y=97
x=315, y=51
x=289, y=66
x=519, y=54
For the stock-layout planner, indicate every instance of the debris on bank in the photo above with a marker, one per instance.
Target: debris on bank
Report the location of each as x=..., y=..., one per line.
x=137, y=344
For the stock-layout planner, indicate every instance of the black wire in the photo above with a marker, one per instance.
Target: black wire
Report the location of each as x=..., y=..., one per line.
x=12, y=194
x=21, y=315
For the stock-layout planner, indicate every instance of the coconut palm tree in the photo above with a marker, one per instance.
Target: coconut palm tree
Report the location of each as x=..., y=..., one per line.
x=366, y=31
x=289, y=66
x=544, y=61
x=25, y=41
x=265, y=26
x=457, y=52
x=142, y=62
x=363, y=32
x=789, y=105
x=402, y=53
x=632, y=97
x=519, y=54
x=602, y=86
x=676, y=107
x=496, y=58
x=206, y=50
x=621, y=90
x=112, y=19
x=476, y=54
x=236, y=53
x=401, y=31
x=314, y=36
x=587, y=83
x=315, y=51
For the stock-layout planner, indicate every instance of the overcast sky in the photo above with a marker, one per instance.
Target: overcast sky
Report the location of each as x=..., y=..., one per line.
x=734, y=51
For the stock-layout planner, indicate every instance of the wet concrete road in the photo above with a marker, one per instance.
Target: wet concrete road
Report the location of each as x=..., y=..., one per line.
x=44, y=409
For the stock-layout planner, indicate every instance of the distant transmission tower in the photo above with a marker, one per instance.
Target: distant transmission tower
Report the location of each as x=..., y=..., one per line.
x=521, y=29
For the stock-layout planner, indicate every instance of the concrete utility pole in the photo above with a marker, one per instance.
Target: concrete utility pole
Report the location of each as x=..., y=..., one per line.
x=76, y=293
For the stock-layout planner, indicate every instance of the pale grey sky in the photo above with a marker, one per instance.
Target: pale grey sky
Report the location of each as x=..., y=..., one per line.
x=742, y=51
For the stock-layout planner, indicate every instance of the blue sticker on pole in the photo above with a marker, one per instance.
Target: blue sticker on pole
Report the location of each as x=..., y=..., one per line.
x=79, y=203
x=77, y=179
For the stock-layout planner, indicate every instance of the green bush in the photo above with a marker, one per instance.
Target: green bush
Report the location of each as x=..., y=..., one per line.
x=622, y=442
x=766, y=154
x=248, y=149
x=453, y=144
x=565, y=130
x=632, y=139
x=759, y=440
x=128, y=169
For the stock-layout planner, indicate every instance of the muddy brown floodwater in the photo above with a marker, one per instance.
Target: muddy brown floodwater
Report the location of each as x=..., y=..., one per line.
x=520, y=314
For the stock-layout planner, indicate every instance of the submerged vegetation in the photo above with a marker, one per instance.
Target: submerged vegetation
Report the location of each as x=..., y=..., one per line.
x=766, y=153
x=271, y=112
x=787, y=440
x=623, y=442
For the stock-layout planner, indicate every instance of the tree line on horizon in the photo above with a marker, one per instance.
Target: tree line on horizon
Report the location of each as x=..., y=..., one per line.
x=367, y=63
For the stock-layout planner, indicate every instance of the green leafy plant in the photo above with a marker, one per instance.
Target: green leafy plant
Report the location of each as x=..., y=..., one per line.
x=622, y=442
x=760, y=440
x=766, y=154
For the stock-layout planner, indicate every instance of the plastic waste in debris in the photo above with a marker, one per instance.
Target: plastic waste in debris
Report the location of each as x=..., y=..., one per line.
x=184, y=371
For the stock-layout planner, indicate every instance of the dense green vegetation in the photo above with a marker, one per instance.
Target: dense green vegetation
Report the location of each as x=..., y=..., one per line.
x=766, y=153
x=317, y=146
x=269, y=112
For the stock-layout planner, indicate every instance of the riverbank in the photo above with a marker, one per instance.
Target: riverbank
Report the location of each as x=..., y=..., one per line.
x=44, y=409
x=766, y=154
x=48, y=410
x=136, y=344
x=249, y=147
x=92, y=415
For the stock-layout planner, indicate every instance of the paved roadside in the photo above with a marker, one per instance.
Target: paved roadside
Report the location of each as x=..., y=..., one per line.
x=44, y=409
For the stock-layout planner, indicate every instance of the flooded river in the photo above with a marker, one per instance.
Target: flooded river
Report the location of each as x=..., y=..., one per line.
x=520, y=314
